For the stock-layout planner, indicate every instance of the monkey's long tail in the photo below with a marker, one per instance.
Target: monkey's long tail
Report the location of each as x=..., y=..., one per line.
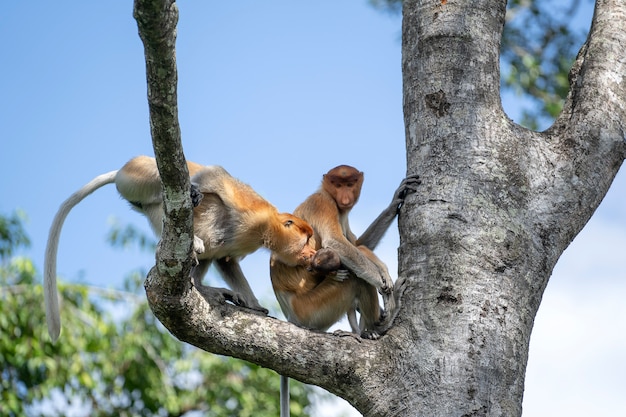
x=53, y=316
x=284, y=396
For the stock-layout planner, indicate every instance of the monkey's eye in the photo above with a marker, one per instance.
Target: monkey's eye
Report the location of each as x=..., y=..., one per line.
x=288, y=223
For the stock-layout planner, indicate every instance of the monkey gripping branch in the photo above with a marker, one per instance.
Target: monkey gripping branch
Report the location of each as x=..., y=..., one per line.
x=221, y=328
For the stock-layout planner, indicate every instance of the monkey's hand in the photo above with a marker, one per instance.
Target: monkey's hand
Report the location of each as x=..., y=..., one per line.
x=386, y=287
x=198, y=244
x=407, y=186
x=341, y=275
x=196, y=195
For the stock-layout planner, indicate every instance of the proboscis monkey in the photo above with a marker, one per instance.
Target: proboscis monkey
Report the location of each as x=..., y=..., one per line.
x=310, y=298
x=326, y=261
x=324, y=292
x=306, y=297
x=230, y=220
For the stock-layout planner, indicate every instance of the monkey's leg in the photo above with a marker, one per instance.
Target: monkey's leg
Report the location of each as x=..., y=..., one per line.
x=212, y=295
x=354, y=324
x=368, y=306
x=234, y=277
x=323, y=305
x=389, y=314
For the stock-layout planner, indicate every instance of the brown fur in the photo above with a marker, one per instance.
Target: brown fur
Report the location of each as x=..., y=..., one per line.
x=316, y=298
x=318, y=302
x=230, y=221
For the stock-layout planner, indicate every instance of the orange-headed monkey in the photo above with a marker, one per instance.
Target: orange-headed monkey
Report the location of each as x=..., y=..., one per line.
x=230, y=220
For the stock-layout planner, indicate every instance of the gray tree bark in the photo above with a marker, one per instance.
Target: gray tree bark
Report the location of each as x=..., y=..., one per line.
x=497, y=206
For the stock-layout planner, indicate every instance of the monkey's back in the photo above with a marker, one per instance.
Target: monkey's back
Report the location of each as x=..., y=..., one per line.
x=214, y=179
x=228, y=214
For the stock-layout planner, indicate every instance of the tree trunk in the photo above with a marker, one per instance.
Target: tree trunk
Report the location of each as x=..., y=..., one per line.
x=497, y=206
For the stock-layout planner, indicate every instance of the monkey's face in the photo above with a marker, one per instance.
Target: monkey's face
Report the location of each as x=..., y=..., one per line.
x=345, y=195
x=344, y=183
x=292, y=244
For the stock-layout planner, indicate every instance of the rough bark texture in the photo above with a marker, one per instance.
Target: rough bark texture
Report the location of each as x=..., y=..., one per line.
x=497, y=206
x=168, y=281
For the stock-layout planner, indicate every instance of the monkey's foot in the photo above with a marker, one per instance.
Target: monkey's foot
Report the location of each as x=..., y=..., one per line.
x=382, y=317
x=239, y=300
x=216, y=295
x=254, y=306
x=370, y=334
x=343, y=333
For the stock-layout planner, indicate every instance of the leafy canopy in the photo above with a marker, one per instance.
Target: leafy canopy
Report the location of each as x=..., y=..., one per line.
x=113, y=357
x=539, y=45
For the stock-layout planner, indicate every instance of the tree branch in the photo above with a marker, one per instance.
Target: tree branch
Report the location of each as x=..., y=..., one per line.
x=157, y=28
x=319, y=358
x=582, y=152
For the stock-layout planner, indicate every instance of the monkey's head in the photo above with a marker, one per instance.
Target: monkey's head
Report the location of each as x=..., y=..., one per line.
x=326, y=261
x=344, y=184
x=291, y=240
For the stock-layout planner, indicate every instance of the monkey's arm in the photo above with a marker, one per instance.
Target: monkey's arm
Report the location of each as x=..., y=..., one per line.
x=374, y=233
x=357, y=262
x=321, y=212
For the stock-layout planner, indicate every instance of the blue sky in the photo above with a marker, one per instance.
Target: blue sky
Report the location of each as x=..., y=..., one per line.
x=277, y=92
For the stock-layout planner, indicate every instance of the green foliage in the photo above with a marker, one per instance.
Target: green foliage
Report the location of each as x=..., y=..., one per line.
x=391, y=6
x=124, y=236
x=113, y=358
x=12, y=234
x=538, y=49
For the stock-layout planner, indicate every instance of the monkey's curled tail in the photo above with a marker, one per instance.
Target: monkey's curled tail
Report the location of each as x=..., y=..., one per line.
x=53, y=316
